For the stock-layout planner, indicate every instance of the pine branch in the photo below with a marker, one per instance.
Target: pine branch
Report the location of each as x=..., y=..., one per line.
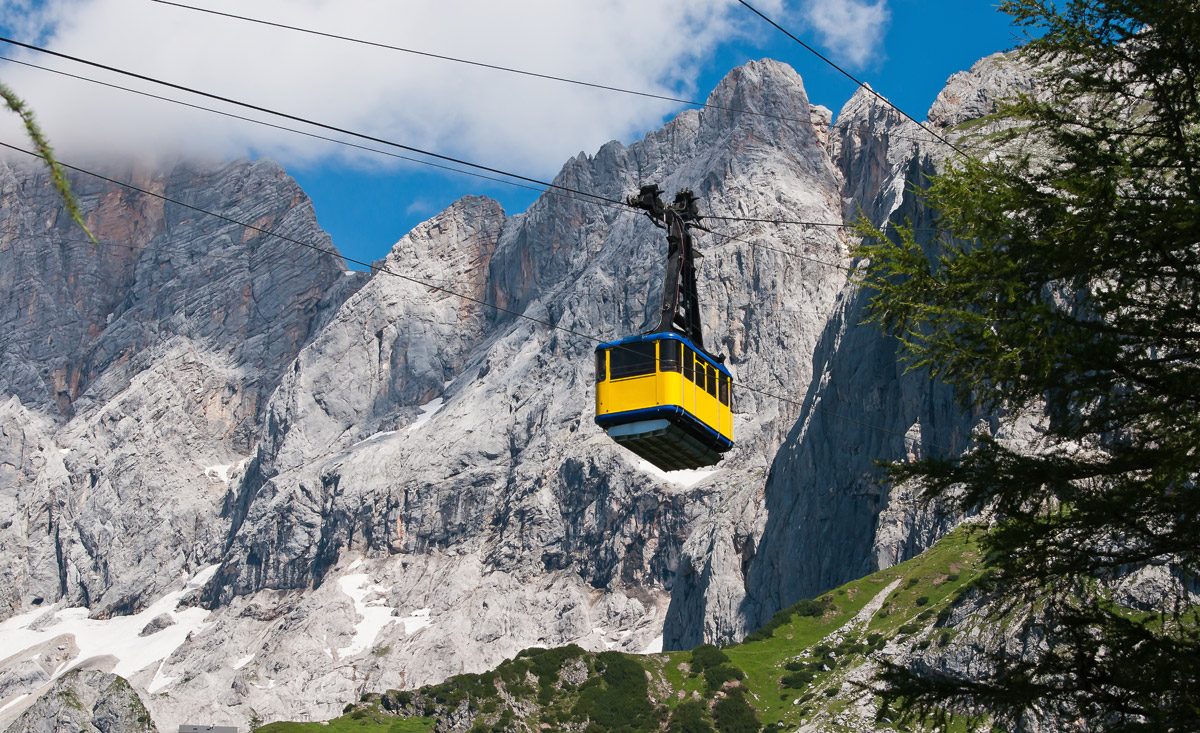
x=57, y=176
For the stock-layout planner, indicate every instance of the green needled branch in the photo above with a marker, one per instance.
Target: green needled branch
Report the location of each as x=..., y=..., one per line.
x=15, y=104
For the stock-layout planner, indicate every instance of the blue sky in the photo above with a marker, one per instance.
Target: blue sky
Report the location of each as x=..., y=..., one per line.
x=906, y=49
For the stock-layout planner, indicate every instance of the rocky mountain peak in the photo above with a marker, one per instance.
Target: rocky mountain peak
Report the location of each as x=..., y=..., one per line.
x=766, y=86
x=387, y=483
x=970, y=95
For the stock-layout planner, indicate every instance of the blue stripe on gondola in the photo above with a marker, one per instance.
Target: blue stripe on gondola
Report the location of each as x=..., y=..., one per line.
x=665, y=335
x=718, y=442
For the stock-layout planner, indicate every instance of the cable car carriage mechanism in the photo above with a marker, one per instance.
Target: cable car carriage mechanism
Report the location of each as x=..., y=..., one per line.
x=661, y=394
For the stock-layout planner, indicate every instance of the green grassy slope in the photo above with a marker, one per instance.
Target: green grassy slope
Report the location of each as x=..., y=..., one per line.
x=807, y=664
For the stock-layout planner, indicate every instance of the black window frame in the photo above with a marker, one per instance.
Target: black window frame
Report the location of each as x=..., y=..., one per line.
x=689, y=364
x=710, y=374
x=723, y=388
x=601, y=365
x=638, y=359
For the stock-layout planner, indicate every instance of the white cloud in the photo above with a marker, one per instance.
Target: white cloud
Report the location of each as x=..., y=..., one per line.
x=491, y=117
x=851, y=29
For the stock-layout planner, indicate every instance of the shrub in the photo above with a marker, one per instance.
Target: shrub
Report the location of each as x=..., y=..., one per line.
x=830, y=692
x=716, y=677
x=909, y=628
x=733, y=714
x=705, y=656
x=875, y=640
x=796, y=680
x=512, y=672
x=690, y=717
x=622, y=702
x=922, y=600
x=952, y=577
x=795, y=665
x=912, y=582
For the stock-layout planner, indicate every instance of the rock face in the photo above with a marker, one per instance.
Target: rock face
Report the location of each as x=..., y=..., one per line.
x=135, y=370
x=88, y=701
x=400, y=480
x=149, y=358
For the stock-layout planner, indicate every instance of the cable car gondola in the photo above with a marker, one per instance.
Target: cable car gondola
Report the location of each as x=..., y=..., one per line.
x=661, y=394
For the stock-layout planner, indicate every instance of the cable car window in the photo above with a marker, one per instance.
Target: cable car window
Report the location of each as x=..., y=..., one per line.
x=600, y=365
x=668, y=355
x=632, y=360
x=689, y=364
x=724, y=389
x=712, y=380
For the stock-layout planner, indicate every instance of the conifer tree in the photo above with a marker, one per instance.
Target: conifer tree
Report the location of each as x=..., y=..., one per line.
x=17, y=106
x=1065, y=284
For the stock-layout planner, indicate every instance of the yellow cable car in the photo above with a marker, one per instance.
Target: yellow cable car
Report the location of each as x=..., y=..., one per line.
x=660, y=394
x=665, y=400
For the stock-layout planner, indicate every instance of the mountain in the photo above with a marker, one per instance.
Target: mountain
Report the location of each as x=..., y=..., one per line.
x=259, y=486
x=810, y=669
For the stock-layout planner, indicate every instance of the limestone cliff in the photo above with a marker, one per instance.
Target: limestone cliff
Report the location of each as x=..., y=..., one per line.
x=333, y=487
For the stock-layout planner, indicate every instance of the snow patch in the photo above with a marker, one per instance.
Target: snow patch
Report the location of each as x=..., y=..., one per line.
x=117, y=636
x=427, y=412
x=685, y=477
x=13, y=701
x=374, y=617
x=224, y=472
x=243, y=661
x=655, y=646
x=377, y=436
x=417, y=621
x=63, y=451
x=159, y=681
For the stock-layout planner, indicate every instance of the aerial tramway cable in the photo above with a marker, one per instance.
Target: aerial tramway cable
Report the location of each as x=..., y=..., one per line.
x=297, y=118
x=431, y=286
x=851, y=77
x=550, y=187
x=510, y=70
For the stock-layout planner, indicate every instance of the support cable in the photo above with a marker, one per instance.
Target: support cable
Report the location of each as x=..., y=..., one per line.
x=388, y=271
x=614, y=203
x=495, y=67
x=297, y=118
x=854, y=79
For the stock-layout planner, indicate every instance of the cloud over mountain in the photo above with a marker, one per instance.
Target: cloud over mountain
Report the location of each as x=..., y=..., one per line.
x=852, y=29
x=500, y=119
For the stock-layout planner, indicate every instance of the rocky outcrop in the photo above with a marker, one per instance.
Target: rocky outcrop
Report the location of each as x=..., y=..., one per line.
x=451, y=447
x=89, y=701
x=829, y=516
x=136, y=369
x=401, y=480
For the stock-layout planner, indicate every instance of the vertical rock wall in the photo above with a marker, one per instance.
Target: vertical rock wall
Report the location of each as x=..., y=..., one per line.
x=396, y=481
